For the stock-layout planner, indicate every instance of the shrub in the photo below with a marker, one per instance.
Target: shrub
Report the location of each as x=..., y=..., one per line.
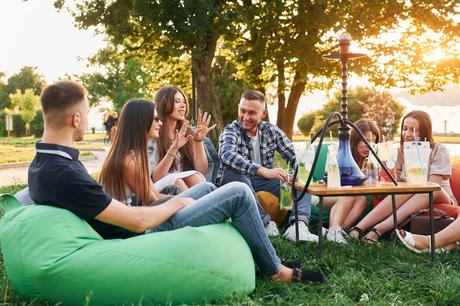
x=36, y=125
x=306, y=122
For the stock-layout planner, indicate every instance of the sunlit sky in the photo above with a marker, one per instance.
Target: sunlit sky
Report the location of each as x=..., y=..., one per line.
x=35, y=34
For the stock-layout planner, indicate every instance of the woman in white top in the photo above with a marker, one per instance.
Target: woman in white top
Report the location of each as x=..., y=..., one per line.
x=175, y=152
x=380, y=220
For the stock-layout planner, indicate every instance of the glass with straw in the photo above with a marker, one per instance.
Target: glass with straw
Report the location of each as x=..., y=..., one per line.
x=388, y=154
x=285, y=193
x=414, y=162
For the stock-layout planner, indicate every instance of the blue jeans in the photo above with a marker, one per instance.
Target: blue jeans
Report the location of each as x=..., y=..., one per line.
x=258, y=183
x=235, y=201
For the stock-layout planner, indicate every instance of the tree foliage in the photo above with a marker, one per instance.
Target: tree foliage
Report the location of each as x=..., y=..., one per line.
x=282, y=42
x=288, y=39
x=25, y=104
x=165, y=28
x=363, y=102
x=36, y=125
x=228, y=87
x=26, y=78
x=306, y=123
x=128, y=76
x=124, y=78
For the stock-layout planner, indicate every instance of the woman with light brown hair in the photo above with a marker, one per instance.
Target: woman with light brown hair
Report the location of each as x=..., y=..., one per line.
x=174, y=153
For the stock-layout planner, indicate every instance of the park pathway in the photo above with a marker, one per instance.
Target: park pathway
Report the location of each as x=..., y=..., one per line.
x=19, y=175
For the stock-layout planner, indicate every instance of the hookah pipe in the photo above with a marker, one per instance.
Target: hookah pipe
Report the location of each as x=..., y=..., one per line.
x=343, y=56
x=321, y=133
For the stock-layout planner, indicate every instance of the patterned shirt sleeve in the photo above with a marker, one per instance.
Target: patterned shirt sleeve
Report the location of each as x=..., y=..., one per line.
x=286, y=148
x=229, y=152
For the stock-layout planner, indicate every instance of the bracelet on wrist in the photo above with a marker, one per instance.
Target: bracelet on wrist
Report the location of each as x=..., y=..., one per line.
x=201, y=140
x=170, y=154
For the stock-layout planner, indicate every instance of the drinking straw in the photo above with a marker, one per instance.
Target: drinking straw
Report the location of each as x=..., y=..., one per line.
x=417, y=140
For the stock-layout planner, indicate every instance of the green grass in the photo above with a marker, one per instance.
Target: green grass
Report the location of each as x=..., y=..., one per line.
x=23, y=148
x=11, y=153
x=357, y=274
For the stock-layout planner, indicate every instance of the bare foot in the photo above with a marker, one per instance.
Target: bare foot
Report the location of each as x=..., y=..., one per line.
x=421, y=242
x=354, y=234
x=284, y=275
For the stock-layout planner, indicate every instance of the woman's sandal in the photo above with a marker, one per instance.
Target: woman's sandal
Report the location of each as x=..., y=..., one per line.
x=356, y=229
x=370, y=240
x=407, y=239
x=301, y=276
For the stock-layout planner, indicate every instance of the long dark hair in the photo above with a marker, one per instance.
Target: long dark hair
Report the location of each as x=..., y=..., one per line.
x=130, y=140
x=164, y=100
x=365, y=125
x=424, y=126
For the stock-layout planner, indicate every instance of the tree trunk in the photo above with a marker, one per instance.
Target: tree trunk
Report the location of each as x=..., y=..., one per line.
x=206, y=97
x=293, y=101
x=280, y=93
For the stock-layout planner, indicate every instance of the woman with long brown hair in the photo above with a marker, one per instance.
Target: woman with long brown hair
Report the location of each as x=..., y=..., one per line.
x=415, y=125
x=174, y=153
x=126, y=172
x=345, y=211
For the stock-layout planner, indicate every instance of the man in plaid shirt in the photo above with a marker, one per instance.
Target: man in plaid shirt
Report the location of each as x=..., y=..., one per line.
x=247, y=151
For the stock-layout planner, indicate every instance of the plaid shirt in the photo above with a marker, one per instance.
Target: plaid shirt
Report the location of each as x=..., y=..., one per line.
x=235, y=149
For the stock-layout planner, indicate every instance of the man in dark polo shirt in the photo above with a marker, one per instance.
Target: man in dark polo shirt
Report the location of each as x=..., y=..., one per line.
x=57, y=178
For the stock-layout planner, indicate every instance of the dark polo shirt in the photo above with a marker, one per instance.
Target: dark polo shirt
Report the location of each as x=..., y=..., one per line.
x=58, y=178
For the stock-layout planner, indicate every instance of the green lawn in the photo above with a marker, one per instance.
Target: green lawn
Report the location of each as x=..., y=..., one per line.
x=357, y=274
x=23, y=148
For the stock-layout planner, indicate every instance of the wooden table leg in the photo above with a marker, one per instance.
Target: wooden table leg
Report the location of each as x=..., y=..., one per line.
x=393, y=204
x=433, y=245
x=320, y=225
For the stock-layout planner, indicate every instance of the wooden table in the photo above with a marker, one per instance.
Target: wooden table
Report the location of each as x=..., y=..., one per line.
x=322, y=191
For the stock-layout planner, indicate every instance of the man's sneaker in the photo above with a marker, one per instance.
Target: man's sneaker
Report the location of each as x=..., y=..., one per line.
x=335, y=234
x=272, y=229
x=324, y=231
x=304, y=233
x=302, y=276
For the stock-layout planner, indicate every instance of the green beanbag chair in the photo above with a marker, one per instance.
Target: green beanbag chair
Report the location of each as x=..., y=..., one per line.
x=50, y=253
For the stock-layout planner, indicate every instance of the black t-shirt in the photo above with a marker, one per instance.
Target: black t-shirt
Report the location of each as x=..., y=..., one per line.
x=58, y=178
